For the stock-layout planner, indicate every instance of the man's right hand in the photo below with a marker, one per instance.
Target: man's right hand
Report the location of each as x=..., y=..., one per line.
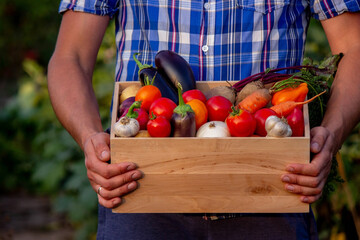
x=115, y=180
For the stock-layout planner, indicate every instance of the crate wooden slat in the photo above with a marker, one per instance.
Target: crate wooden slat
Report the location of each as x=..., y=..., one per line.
x=198, y=175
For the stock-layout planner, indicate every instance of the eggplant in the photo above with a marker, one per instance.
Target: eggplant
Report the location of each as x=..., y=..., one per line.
x=165, y=88
x=149, y=72
x=175, y=69
x=125, y=105
x=183, y=125
x=182, y=121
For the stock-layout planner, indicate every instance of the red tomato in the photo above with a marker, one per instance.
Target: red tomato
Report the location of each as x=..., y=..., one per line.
x=201, y=112
x=143, y=117
x=296, y=122
x=218, y=108
x=260, y=116
x=162, y=107
x=147, y=95
x=159, y=126
x=241, y=123
x=193, y=94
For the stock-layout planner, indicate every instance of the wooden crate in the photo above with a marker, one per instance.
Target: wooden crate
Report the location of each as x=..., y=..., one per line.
x=210, y=175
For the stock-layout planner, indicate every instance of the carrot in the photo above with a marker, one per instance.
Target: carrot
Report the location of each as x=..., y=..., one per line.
x=285, y=108
x=256, y=100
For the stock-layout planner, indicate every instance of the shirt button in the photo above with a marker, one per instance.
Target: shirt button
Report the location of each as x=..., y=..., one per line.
x=207, y=6
x=205, y=48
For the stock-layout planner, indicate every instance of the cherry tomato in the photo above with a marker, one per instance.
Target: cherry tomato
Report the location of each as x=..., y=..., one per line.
x=158, y=126
x=296, y=122
x=194, y=94
x=147, y=95
x=218, y=108
x=241, y=123
x=201, y=112
x=162, y=107
x=260, y=116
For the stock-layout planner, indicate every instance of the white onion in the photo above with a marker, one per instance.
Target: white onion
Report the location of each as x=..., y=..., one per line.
x=213, y=129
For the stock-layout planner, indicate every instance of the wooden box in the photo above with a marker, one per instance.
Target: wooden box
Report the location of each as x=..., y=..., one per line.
x=210, y=175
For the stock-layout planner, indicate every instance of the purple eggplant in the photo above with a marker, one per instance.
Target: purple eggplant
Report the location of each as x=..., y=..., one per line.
x=175, y=69
x=125, y=105
x=147, y=71
x=183, y=122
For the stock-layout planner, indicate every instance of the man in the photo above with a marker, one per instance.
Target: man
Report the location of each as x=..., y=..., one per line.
x=222, y=40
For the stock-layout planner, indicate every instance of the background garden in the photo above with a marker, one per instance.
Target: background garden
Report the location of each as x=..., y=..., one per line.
x=41, y=162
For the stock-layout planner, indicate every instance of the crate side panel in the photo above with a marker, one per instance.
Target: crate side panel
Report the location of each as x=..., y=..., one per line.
x=232, y=155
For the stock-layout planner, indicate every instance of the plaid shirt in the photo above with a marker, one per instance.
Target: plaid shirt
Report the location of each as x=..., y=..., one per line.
x=221, y=40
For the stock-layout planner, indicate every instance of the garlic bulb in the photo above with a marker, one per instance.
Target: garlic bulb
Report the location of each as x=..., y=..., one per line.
x=126, y=127
x=276, y=127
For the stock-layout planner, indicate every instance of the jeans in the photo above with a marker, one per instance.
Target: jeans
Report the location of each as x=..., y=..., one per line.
x=132, y=226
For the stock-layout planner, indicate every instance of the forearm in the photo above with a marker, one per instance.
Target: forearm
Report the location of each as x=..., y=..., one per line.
x=70, y=73
x=73, y=98
x=343, y=111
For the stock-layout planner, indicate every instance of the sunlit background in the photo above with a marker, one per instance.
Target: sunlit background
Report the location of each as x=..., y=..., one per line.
x=45, y=193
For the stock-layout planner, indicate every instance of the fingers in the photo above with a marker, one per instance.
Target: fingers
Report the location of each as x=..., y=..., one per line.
x=108, y=203
x=120, y=191
x=112, y=203
x=98, y=148
x=319, y=163
x=112, y=189
x=111, y=199
x=308, y=180
x=106, y=170
x=322, y=160
x=115, y=179
x=310, y=188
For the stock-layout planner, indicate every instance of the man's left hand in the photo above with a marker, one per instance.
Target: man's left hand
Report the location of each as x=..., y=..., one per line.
x=308, y=180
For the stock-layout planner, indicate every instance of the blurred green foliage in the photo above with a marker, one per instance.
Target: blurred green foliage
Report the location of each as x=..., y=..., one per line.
x=38, y=155
x=28, y=30
x=36, y=152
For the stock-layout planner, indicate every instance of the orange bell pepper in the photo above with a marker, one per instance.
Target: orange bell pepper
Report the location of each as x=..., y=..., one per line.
x=200, y=110
x=297, y=94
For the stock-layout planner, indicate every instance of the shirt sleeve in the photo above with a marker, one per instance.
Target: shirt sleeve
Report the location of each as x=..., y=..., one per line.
x=325, y=9
x=98, y=7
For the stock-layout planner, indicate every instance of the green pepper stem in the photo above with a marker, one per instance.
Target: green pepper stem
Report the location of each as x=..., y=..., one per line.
x=152, y=116
x=131, y=113
x=235, y=111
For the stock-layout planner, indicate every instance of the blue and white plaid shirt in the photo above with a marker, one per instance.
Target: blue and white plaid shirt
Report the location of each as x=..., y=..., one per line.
x=221, y=40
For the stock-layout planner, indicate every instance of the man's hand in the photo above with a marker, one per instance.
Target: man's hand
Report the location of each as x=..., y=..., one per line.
x=308, y=180
x=115, y=180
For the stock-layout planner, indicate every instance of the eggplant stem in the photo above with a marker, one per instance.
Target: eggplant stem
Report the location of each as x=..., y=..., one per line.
x=140, y=65
x=182, y=107
x=152, y=81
